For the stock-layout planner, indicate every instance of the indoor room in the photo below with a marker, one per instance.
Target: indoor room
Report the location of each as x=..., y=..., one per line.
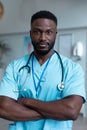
x=71, y=40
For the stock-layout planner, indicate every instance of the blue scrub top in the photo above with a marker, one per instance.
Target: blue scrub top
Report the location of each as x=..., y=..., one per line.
x=48, y=90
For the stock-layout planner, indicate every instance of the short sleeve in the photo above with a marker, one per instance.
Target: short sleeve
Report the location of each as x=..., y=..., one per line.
x=8, y=83
x=74, y=81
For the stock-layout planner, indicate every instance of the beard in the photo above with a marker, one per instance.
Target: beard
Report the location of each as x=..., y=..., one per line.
x=43, y=51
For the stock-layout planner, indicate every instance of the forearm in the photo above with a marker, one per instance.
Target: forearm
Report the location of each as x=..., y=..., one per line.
x=12, y=110
x=53, y=110
x=49, y=109
x=65, y=109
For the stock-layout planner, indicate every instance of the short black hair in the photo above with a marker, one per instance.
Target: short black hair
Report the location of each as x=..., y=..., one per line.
x=44, y=14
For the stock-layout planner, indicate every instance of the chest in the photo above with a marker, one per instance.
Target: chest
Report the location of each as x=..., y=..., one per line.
x=46, y=85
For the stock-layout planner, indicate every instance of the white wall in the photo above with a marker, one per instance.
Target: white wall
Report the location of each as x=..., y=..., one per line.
x=70, y=13
x=16, y=43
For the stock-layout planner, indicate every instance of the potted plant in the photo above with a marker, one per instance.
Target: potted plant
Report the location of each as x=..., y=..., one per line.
x=4, y=49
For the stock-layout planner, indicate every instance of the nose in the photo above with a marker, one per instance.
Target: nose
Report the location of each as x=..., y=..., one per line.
x=43, y=36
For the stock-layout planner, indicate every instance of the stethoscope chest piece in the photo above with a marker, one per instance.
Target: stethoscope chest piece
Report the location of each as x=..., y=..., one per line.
x=60, y=86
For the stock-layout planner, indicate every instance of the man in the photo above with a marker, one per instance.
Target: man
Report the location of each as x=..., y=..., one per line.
x=30, y=94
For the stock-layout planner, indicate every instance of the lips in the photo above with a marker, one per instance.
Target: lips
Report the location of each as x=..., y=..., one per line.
x=42, y=44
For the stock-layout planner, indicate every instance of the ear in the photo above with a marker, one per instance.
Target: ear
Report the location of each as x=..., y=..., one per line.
x=56, y=31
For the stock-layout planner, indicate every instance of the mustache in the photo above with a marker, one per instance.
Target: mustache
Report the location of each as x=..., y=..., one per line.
x=42, y=42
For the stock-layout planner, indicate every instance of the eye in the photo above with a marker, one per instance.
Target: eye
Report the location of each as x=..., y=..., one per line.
x=49, y=32
x=36, y=32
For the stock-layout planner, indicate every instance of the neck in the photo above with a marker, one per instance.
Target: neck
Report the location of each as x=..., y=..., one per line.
x=41, y=59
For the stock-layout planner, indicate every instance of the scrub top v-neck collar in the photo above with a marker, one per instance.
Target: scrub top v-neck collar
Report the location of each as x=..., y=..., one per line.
x=43, y=69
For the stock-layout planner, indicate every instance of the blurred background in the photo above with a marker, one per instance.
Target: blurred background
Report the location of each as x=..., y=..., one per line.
x=71, y=40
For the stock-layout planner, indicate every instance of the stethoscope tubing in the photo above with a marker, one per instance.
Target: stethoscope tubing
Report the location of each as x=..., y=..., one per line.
x=62, y=67
x=28, y=67
x=61, y=85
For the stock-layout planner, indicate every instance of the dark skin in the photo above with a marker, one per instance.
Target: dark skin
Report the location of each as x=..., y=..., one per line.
x=43, y=34
x=43, y=37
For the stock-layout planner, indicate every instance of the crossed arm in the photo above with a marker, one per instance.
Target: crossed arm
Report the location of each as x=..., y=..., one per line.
x=10, y=109
x=32, y=109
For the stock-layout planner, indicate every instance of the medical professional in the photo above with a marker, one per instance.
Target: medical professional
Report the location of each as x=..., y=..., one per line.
x=42, y=90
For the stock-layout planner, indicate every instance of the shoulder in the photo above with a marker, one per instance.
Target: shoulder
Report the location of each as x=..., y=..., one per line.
x=21, y=61
x=69, y=63
x=17, y=63
x=71, y=67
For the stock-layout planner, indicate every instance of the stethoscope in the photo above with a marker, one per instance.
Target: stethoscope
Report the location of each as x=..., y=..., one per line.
x=60, y=86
